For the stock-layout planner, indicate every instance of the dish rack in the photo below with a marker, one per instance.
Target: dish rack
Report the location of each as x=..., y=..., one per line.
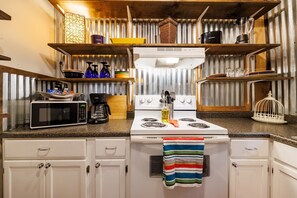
x=269, y=110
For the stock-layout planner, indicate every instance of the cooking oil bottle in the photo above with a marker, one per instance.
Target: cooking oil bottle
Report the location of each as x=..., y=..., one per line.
x=165, y=113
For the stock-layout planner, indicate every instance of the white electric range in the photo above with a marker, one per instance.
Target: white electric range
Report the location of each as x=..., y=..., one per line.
x=147, y=132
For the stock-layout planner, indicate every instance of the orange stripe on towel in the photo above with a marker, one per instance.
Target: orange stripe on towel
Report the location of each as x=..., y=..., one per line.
x=183, y=166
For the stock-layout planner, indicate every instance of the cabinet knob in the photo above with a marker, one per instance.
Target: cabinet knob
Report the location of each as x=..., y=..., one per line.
x=234, y=164
x=97, y=165
x=47, y=165
x=40, y=165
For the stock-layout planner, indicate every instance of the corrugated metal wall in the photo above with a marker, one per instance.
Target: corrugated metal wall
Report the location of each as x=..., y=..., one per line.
x=282, y=29
x=17, y=93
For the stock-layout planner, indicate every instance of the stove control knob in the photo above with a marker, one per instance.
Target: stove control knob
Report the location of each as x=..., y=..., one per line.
x=182, y=100
x=189, y=101
x=150, y=100
x=142, y=100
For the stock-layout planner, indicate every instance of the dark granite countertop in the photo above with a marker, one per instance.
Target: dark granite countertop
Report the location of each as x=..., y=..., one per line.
x=247, y=127
x=237, y=127
x=114, y=128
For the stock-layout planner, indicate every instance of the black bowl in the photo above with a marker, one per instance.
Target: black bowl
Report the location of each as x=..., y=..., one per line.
x=71, y=74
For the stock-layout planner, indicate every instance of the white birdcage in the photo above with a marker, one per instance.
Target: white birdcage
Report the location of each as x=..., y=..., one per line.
x=269, y=110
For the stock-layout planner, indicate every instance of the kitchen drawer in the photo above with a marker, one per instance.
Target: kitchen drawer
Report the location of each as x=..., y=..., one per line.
x=284, y=153
x=44, y=149
x=251, y=148
x=110, y=148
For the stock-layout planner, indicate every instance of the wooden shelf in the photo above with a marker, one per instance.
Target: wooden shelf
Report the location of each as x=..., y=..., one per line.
x=88, y=49
x=211, y=49
x=237, y=49
x=260, y=77
x=4, y=58
x=178, y=9
x=91, y=80
x=4, y=16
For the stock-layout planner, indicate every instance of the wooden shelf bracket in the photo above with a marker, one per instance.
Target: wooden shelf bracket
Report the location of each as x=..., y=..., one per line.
x=199, y=24
x=129, y=23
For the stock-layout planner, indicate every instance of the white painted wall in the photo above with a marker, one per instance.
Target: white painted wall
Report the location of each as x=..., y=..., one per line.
x=26, y=36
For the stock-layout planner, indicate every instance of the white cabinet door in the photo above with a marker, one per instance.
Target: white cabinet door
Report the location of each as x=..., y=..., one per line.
x=110, y=178
x=248, y=178
x=284, y=181
x=65, y=178
x=24, y=178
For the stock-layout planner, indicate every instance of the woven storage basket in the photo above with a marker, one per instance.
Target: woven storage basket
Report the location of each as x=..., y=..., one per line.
x=168, y=30
x=269, y=110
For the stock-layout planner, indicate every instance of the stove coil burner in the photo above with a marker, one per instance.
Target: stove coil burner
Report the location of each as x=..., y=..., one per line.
x=153, y=125
x=187, y=119
x=198, y=125
x=149, y=120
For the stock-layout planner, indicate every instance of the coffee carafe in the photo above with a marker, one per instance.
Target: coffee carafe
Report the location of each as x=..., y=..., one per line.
x=245, y=25
x=99, y=110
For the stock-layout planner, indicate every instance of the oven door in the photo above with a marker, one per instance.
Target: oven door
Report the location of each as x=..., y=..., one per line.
x=147, y=170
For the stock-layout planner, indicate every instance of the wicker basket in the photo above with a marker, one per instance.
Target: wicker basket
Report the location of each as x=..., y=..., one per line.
x=168, y=30
x=269, y=110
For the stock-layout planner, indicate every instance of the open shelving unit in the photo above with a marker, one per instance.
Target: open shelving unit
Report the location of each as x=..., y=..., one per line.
x=4, y=16
x=258, y=77
x=211, y=49
x=197, y=10
x=4, y=58
x=102, y=80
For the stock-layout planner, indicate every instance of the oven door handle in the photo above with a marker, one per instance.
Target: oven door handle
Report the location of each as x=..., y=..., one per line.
x=159, y=140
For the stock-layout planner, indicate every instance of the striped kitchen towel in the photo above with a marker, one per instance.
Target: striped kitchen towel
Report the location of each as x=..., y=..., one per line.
x=182, y=161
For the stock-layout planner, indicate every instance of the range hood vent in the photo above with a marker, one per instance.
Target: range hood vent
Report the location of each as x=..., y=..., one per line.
x=168, y=57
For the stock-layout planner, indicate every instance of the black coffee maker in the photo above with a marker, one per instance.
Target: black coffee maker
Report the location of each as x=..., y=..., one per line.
x=99, y=110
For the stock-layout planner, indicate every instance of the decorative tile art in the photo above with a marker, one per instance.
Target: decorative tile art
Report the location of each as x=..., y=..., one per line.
x=74, y=28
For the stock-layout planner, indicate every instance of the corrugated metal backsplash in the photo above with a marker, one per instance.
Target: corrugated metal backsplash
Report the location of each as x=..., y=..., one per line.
x=282, y=29
x=17, y=90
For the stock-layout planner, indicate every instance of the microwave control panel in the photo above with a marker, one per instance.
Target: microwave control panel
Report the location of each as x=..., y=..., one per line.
x=82, y=112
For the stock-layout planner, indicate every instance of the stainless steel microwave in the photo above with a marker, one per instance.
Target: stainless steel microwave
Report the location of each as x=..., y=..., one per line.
x=44, y=114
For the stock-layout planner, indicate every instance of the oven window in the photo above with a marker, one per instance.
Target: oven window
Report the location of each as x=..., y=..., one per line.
x=156, y=166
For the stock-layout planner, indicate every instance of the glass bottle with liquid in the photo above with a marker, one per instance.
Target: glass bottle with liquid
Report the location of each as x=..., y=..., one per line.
x=165, y=113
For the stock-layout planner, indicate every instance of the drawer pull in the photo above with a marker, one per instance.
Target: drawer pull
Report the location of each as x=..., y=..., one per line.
x=47, y=165
x=44, y=149
x=111, y=148
x=40, y=165
x=234, y=164
x=97, y=165
x=251, y=149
